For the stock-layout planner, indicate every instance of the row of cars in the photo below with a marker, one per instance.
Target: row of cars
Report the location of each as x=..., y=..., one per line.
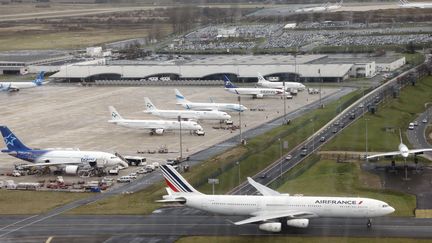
x=143, y=169
x=415, y=123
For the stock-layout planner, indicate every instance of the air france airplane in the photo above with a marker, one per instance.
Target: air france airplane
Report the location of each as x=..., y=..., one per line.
x=230, y=107
x=16, y=86
x=70, y=160
x=271, y=209
x=403, y=151
x=257, y=93
x=155, y=126
x=185, y=114
x=279, y=85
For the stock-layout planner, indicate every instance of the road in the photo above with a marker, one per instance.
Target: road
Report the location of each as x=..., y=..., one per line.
x=170, y=223
x=417, y=136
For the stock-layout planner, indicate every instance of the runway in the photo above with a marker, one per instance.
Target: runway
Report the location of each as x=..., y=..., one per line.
x=171, y=223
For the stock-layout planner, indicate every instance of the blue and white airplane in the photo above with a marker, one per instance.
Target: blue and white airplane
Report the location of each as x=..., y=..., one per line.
x=16, y=86
x=69, y=160
x=257, y=93
x=200, y=106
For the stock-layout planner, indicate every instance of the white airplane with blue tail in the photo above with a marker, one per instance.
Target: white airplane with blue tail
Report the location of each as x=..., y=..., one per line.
x=16, y=86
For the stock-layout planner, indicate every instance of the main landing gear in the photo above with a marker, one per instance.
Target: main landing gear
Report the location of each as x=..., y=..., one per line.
x=369, y=224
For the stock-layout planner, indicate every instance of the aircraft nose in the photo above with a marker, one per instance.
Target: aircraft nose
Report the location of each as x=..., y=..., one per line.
x=391, y=209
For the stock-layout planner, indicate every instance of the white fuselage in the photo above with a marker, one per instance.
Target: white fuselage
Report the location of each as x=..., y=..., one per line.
x=316, y=206
x=416, y=5
x=280, y=85
x=16, y=85
x=191, y=114
x=403, y=149
x=213, y=106
x=157, y=124
x=256, y=92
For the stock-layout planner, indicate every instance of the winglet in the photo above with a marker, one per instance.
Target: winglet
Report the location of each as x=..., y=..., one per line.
x=265, y=191
x=149, y=105
x=114, y=114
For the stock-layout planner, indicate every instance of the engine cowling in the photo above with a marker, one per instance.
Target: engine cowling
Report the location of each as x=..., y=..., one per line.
x=271, y=227
x=159, y=131
x=71, y=169
x=298, y=223
x=259, y=96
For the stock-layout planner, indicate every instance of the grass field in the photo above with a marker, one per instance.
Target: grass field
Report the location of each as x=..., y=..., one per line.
x=328, y=178
x=30, y=202
x=383, y=127
x=284, y=239
x=71, y=39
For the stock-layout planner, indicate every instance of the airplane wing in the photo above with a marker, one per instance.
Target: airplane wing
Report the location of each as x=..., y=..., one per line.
x=417, y=151
x=263, y=216
x=50, y=164
x=384, y=154
x=265, y=191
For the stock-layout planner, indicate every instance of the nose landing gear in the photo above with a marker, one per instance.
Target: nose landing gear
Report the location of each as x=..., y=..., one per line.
x=369, y=224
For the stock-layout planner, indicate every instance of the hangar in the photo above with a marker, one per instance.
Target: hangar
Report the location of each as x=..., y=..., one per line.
x=240, y=67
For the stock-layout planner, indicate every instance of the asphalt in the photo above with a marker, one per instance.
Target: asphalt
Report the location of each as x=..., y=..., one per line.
x=170, y=223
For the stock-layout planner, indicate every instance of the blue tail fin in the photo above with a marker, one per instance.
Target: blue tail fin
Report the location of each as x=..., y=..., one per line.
x=11, y=141
x=39, y=78
x=228, y=83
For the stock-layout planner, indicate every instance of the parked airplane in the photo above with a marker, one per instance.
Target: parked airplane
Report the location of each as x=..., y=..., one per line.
x=403, y=151
x=181, y=100
x=185, y=114
x=16, y=86
x=279, y=85
x=155, y=126
x=69, y=160
x=272, y=209
x=323, y=8
x=406, y=4
x=257, y=93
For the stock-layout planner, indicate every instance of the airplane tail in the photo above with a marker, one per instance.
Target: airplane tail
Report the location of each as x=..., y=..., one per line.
x=175, y=181
x=227, y=83
x=149, y=105
x=12, y=142
x=39, y=78
x=403, y=2
x=261, y=79
x=180, y=98
x=115, y=116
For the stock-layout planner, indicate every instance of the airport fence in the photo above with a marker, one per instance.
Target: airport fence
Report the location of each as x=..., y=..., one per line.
x=131, y=82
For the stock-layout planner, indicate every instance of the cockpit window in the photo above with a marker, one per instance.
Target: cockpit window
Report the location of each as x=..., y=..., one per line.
x=384, y=206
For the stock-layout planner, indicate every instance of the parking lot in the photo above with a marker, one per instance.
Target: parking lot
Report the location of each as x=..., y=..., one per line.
x=76, y=117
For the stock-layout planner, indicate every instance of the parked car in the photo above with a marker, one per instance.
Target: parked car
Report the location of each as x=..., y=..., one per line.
x=142, y=171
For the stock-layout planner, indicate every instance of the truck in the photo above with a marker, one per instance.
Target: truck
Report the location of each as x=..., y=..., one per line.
x=114, y=171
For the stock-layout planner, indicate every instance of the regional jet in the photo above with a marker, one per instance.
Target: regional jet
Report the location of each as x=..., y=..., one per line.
x=403, y=151
x=69, y=160
x=185, y=114
x=323, y=8
x=155, y=126
x=280, y=85
x=271, y=209
x=16, y=86
x=406, y=4
x=257, y=93
x=181, y=100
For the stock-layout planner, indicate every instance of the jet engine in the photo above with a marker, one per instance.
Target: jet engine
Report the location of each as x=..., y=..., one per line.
x=259, y=96
x=298, y=223
x=271, y=227
x=159, y=131
x=71, y=169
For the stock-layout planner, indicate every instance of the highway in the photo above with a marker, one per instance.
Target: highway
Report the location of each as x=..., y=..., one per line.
x=417, y=136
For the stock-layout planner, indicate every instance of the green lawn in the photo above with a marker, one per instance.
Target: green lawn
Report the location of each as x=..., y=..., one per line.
x=284, y=239
x=328, y=178
x=383, y=127
x=35, y=202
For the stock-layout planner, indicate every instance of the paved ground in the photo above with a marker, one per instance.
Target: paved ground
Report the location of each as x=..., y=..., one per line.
x=65, y=116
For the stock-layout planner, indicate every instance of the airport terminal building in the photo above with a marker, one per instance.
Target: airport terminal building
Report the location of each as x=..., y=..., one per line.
x=305, y=68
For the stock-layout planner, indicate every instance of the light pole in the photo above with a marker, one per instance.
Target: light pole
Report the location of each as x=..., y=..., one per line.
x=238, y=165
x=320, y=80
x=313, y=134
x=284, y=101
x=181, y=145
x=366, y=120
x=240, y=125
x=280, y=156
